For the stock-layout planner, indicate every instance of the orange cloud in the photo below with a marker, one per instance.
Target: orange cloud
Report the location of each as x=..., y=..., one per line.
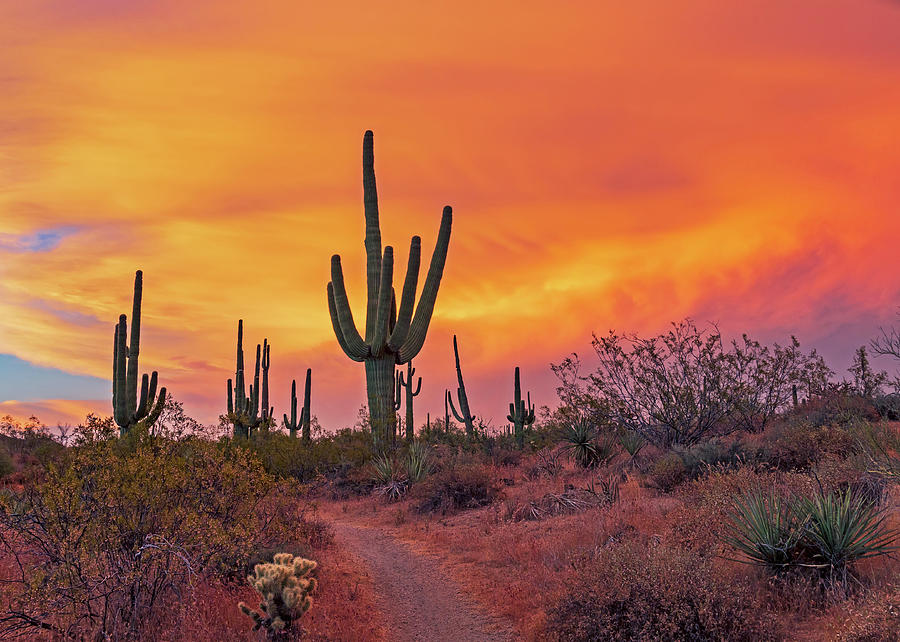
x=610, y=166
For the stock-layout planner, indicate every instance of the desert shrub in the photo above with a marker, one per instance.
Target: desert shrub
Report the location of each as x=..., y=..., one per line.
x=876, y=618
x=628, y=592
x=704, y=455
x=688, y=385
x=458, y=488
x=888, y=406
x=836, y=407
x=329, y=455
x=502, y=450
x=667, y=472
x=119, y=528
x=7, y=465
x=797, y=445
x=879, y=444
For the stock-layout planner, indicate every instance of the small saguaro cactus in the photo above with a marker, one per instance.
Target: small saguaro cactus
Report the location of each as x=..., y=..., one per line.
x=285, y=586
x=464, y=415
x=521, y=414
x=393, y=335
x=304, y=421
x=406, y=382
x=128, y=410
x=243, y=409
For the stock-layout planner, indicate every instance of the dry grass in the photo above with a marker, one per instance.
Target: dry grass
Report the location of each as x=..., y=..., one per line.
x=518, y=569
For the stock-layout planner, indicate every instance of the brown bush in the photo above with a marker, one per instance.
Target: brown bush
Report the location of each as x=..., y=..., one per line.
x=633, y=593
x=667, y=472
x=797, y=445
x=458, y=488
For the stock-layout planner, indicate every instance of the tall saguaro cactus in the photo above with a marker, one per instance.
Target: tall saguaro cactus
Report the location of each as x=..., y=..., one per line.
x=128, y=410
x=464, y=415
x=521, y=414
x=266, y=410
x=393, y=336
x=406, y=382
x=304, y=421
x=243, y=409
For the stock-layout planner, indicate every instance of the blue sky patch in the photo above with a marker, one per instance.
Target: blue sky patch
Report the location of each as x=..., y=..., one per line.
x=21, y=380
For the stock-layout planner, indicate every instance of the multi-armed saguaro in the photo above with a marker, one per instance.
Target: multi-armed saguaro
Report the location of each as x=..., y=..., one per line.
x=392, y=336
x=128, y=410
x=520, y=413
x=304, y=421
x=406, y=382
x=243, y=409
x=464, y=415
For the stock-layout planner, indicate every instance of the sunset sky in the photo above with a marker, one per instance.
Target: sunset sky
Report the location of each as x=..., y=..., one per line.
x=611, y=165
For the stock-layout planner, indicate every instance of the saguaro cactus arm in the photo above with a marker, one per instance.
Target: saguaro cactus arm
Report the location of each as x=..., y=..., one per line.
x=415, y=339
x=356, y=348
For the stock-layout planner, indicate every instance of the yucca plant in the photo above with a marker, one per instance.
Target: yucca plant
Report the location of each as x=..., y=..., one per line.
x=841, y=528
x=632, y=442
x=587, y=450
x=389, y=479
x=765, y=528
x=418, y=462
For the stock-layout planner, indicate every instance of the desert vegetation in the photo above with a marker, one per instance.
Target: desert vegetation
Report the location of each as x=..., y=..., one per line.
x=685, y=486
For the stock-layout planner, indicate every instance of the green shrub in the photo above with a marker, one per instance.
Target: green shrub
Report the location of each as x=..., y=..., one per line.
x=112, y=533
x=630, y=593
x=7, y=465
x=588, y=449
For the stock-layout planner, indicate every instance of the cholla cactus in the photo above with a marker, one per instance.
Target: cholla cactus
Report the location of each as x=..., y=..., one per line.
x=285, y=586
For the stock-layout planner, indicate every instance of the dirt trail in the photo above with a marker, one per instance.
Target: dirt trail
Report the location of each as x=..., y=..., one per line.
x=417, y=599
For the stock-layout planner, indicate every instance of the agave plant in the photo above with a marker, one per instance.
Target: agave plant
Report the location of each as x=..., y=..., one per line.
x=765, y=528
x=841, y=528
x=389, y=479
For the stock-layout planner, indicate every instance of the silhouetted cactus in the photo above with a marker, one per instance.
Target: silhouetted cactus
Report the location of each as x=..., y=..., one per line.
x=406, y=382
x=285, y=586
x=128, y=410
x=446, y=411
x=243, y=409
x=304, y=421
x=521, y=414
x=266, y=410
x=464, y=415
x=392, y=336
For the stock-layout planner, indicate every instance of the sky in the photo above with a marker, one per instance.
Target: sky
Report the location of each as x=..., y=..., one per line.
x=611, y=165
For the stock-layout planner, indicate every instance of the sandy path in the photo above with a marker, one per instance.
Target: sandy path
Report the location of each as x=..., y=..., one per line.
x=418, y=601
